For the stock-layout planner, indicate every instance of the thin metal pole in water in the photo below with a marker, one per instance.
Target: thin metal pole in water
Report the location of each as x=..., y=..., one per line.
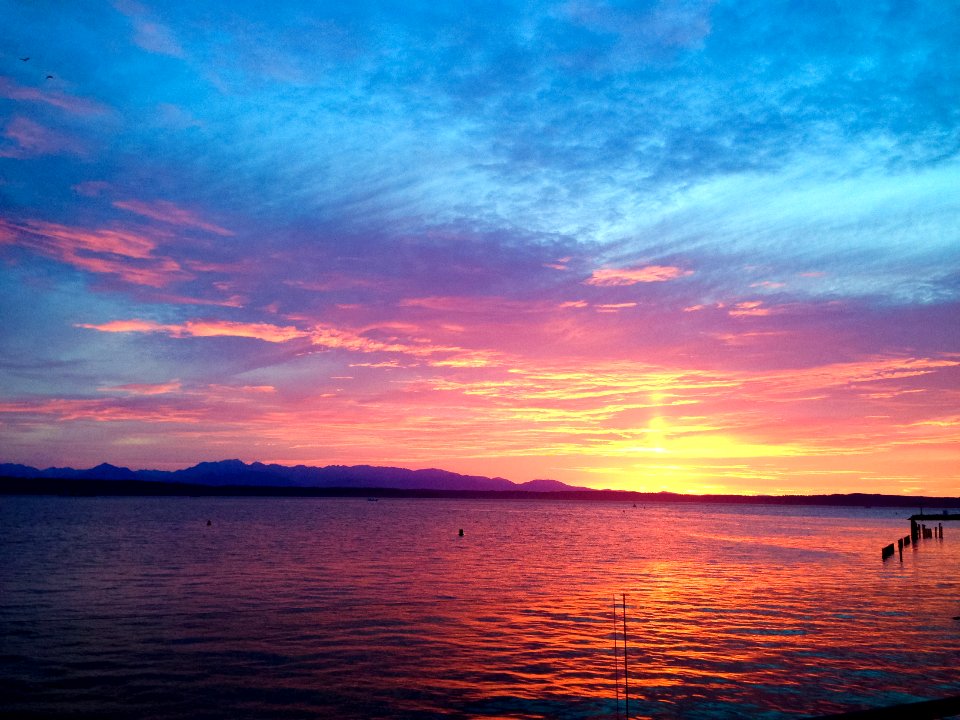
x=626, y=674
x=616, y=659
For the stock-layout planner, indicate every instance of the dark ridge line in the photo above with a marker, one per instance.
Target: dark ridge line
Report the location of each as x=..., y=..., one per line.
x=146, y=488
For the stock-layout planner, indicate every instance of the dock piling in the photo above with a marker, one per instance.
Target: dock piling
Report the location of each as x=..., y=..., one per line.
x=616, y=660
x=626, y=675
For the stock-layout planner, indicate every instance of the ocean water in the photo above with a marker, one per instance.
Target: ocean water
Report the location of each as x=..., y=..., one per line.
x=345, y=608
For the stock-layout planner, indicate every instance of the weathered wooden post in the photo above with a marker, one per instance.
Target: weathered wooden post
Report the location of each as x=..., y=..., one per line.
x=886, y=551
x=616, y=660
x=626, y=673
x=900, y=548
x=913, y=529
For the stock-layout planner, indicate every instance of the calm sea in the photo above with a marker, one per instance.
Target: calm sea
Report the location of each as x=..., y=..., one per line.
x=346, y=608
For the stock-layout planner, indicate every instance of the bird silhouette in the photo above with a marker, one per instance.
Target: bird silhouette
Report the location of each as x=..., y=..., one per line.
x=25, y=59
x=49, y=77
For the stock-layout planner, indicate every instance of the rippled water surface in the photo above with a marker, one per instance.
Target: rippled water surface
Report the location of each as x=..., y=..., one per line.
x=135, y=607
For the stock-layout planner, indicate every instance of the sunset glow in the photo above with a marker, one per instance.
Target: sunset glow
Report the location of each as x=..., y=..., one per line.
x=697, y=247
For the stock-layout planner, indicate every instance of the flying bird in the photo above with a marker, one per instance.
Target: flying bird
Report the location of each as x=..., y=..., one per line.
x=25, y=59
x=49, y=77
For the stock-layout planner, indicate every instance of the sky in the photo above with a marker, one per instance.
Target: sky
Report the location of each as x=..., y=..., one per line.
x=702, y=247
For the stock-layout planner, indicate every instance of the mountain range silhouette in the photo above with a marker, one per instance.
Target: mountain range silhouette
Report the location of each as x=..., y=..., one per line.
x=237, y=472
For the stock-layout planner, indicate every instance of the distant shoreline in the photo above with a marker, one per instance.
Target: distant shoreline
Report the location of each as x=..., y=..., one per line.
x=144, y=488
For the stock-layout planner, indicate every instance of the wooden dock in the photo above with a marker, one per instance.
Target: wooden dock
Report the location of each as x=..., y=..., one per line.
x=919, y=531
x=935, y=516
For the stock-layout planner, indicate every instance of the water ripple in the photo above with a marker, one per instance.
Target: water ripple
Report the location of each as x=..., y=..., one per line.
x=295, y=608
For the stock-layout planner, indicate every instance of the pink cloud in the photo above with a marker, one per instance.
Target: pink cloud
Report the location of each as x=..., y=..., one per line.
x=258, y=331
x=152, y=36
x=614, y=307
x=145, y=388
x=422, y=348
x=167, y=212
x=105, y=410
x=116, y=242
x=753, y=308
x=325, y=336
x=156, y=275
x=234, y=301
x=336, y=338
x=78, y=106
x=32, y=140
x=559, y=264
x=124, y=253
x=608, y=277
x=122, y=326
x=870, y=370
x=203, y=328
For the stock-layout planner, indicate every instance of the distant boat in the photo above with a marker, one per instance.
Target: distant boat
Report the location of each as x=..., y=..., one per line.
x=373, y=499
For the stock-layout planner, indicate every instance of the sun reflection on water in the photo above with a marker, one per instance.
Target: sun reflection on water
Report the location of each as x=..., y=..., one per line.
x=352, y=609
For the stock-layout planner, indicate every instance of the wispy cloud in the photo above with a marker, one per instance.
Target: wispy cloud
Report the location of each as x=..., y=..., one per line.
x=144, y=388
x=203, y=328
x=750, y=308
x=323, y=336
x=606, y=277
x=126, y=254
x=149, y=33
x=70, y=103
x=614, y=307
x=105, y=411
x=168, y=212
x=28, y=139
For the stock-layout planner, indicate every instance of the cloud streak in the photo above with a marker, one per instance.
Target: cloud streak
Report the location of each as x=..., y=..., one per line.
x=28, y=139
x=613, y=277
x=127, y=254
x=72, y=104
x=167, y=212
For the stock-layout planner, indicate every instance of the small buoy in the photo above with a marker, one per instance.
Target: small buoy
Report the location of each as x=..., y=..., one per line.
x=461, y=532
x=209, y=523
